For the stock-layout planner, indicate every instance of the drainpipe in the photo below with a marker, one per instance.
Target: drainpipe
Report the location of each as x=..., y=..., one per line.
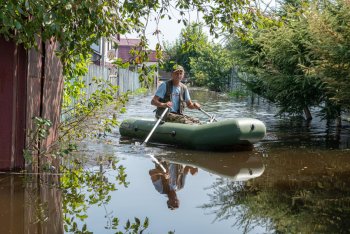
x=14, y=109
x=103, y=52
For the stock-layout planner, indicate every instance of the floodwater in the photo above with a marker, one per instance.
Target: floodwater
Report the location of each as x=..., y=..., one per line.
x=296, y=180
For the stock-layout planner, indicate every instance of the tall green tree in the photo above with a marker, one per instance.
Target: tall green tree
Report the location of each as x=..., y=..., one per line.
x=330, y=45
x=275, y=58
x=212, y=68
x=300, y=59
x=191, y=42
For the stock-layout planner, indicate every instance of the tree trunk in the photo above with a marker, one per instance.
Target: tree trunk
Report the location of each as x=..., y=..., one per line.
x=307, y=113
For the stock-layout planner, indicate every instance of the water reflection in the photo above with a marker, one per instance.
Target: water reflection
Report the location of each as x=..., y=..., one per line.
x=171, y=181
x=240, y=166
x=58, y=203
x=299, y=194
x=30, y=204
x=237, y=166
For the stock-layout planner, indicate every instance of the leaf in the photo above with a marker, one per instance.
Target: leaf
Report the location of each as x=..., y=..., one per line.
x=137, y=220
x=127, y=225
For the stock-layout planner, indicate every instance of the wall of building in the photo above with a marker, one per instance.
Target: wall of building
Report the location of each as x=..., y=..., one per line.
x=31, y=84
x=13, y=62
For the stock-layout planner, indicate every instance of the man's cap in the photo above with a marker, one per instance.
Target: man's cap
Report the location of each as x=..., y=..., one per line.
x=178, y=68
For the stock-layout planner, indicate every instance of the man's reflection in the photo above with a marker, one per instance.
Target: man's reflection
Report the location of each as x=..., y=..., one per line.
x=171, y=181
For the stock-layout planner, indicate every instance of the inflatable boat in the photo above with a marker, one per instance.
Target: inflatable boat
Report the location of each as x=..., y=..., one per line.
x=230, y=134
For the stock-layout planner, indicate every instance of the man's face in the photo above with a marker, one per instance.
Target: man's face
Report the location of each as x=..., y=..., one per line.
x=178, y=75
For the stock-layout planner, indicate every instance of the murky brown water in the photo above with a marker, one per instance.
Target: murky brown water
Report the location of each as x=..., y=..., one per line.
x=294, y=181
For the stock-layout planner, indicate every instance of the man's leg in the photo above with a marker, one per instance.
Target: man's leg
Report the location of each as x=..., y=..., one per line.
x=176, y=118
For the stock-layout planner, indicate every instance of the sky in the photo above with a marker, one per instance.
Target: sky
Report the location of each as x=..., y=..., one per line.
x=169, y=29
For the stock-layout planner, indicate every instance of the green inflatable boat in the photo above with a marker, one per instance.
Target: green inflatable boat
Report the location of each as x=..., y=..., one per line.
x=230, y=134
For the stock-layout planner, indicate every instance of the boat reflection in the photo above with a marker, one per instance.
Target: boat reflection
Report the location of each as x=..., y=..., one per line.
x=238, y=166
x=179, y=165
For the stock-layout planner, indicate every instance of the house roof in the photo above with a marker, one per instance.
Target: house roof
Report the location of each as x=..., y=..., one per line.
x=123, y=53
x=126, y=44
x=152, y=56
x=129, y=42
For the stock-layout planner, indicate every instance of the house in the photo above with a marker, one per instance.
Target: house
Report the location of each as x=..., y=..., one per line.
x=105, y=51
x=125, y=47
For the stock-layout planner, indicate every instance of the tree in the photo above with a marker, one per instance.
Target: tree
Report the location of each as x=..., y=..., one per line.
x=191, y=42
x=329, y=32
x=212, y=68
x=76, y=24
x=276, y=57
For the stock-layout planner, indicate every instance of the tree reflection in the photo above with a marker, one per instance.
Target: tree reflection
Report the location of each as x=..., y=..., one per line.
x=307, y=203
x=83, y=188
x=59, y=202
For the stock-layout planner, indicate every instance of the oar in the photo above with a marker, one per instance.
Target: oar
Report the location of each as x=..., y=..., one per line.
x=155, y=126
x=157, y=162
x=150, y=134
x=212, y=117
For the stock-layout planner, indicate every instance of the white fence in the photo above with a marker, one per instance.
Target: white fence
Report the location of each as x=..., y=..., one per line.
x=125, y=79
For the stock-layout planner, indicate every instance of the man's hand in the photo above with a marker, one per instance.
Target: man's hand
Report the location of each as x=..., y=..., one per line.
x=169, y=104
x=155, y=101
x=196, y=105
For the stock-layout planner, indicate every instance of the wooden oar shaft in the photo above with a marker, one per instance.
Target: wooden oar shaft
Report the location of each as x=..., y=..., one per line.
x=149, y=136
x=204, y=112
x=157, y=162
x=207, y=114
x=156, y=125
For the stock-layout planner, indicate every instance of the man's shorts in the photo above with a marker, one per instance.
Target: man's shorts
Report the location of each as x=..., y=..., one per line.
x=177, y=118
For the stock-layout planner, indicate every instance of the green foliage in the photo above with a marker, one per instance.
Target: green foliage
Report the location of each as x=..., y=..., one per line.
x=74, y=24
x=135, y=227
x=83, y=188
x=212, y=68
x=81, y=111
x=283, y=54
x=317, y=203
x=35, y=137
x=77, y=24
x=299, y=61
x=191, y=42
x=329, y=30
x=206, y=64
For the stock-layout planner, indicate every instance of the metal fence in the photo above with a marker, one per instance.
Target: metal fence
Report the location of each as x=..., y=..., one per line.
x=125, y=79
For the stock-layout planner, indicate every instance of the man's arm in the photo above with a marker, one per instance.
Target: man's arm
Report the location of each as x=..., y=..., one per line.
x=193, y=105
x=155, y=102
x=189, y=103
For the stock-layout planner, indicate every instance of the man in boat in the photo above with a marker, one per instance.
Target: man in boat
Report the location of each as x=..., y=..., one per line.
x=175, y=95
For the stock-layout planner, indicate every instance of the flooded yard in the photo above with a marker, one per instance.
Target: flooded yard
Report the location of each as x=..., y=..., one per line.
x=296, y=180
